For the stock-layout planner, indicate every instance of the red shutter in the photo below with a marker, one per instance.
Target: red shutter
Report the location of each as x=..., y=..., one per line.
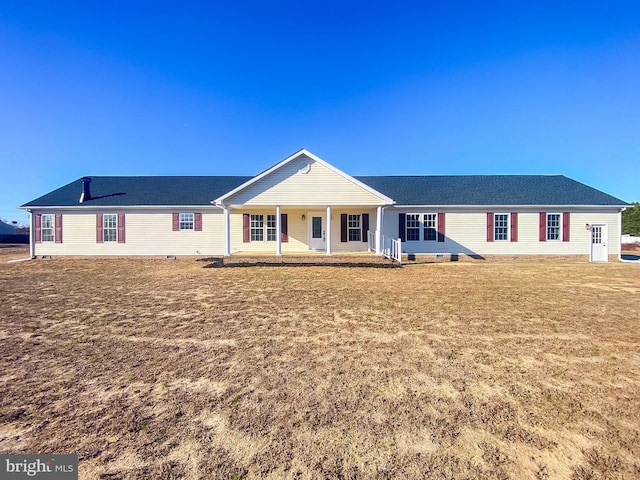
x=402, y=230
x=58, y=228
x=176, y=222
x=284, y=227
x=198, y=221
x=514, y=226
x=343, y=227
x=246, y=228
x=542, y=227
x=99, y=237
x=565, y=227
x=441, y=231
x=489, y=226
x=37, y=220
x=365, y=227
x=121, y=230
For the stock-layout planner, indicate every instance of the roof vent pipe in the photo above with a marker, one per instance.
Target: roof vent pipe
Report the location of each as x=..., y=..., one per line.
x=86, y=189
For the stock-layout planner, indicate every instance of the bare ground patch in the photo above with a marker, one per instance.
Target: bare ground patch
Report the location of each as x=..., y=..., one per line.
x=156, y=369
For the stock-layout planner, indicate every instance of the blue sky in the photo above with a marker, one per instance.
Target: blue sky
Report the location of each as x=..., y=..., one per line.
x=215, y=88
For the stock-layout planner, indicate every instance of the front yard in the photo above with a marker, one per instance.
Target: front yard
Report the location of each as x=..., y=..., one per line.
x=164, y=369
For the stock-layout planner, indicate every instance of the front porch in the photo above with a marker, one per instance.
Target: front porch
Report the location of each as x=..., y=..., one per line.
x=295, y=231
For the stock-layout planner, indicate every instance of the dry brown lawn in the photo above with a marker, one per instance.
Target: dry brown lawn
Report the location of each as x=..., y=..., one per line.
x=164, y=369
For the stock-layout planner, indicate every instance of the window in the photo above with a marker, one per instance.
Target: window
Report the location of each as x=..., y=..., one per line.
x=430, y=226
x=271, y=228
x=257, y=228
x=553, y=226
x=501, y=226
x=413, y=226
x=187, y=221
x=353, y=228
x=110, y=227
x=48, y=226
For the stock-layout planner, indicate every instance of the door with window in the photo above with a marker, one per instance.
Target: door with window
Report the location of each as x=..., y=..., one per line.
x=317, y=231
x=599, y=250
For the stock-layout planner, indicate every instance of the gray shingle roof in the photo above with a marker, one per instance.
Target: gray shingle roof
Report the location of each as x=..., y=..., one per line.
x=141, y=191
x=489, y=190
x=405, y=190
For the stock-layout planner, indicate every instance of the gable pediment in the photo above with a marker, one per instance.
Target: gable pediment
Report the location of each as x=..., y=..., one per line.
x=304, y=179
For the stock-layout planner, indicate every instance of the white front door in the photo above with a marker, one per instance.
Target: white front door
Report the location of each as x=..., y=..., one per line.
x=599, y=250
x=317, y=231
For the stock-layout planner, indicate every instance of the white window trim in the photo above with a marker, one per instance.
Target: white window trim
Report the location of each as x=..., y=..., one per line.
x=508, y=233
x=418, y=227
x=268, y=229
x=265, y=228
x=52, y=217
x=546, y=227
x=104, y=228
x=350, y=228
x=192, y=221
x=424, y=227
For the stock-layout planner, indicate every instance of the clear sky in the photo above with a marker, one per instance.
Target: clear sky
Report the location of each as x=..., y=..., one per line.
x=217, y=88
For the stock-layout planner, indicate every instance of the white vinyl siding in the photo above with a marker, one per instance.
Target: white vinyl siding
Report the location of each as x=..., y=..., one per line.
x=319, y=186
x=48, y=228
x=467, y=232
x=148, y=234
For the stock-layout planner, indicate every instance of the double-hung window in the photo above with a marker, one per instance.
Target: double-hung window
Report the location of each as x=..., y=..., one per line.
x=553, y=226
x=110, y=227
x=257, y=228
x=271, y=228
x=431, y=226
x=501, y=226
x=353, y=227
x=413, y=226
x=48, y=226
x=187, y=221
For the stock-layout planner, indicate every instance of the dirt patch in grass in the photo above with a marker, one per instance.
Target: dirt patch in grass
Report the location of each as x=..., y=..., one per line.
x=158, y=369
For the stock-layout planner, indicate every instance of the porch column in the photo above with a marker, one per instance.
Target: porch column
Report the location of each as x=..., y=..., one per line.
x=227, y=231
x=278, y=232
x=329, y=230
x=379, y=231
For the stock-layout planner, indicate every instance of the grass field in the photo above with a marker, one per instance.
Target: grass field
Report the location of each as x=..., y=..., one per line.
x=164, y=369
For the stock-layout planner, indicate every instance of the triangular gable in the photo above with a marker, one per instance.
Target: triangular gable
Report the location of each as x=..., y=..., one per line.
x=303, y=179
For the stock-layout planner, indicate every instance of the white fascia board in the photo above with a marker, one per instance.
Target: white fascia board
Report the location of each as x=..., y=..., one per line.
x=476, y=207
x=89, y=208
x=304, y=151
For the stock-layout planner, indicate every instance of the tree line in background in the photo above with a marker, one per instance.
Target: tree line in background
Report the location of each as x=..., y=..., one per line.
x=631, y=220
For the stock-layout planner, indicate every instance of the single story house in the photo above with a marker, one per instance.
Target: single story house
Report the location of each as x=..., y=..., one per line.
x=304, y=204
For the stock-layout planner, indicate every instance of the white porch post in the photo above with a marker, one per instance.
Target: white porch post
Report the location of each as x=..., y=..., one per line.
x=227, y=231
x=278, y=232
x=329, y=230
x=379, y=231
